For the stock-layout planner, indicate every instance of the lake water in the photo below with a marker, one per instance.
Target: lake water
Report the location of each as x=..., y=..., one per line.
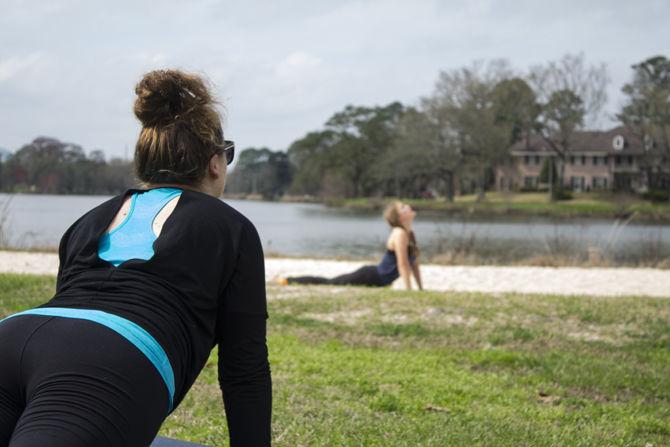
x=296, y=229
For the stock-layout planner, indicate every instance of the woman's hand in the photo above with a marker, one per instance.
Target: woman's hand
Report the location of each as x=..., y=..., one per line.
x=417, y=273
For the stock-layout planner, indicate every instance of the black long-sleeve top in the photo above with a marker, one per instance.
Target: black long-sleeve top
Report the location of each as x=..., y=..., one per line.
x=205, y=285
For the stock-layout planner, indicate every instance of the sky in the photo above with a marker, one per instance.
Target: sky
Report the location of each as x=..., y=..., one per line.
x=281, y=68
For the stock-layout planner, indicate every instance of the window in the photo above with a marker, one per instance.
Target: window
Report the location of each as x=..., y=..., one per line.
x=595, y=161
x=606, y=160
x=599, y=182
x=572, y=159
x=530, y=182
x=526, y=159
x=577, y=183
x=617, y=160
x=630, y=160
x=583, y=159
x=618, y=143
x=537, y=159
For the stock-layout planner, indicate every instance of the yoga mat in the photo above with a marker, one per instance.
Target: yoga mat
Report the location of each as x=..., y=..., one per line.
x=166, y=442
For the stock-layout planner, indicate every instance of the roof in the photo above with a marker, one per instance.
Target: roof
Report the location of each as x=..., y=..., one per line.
x=587, y=142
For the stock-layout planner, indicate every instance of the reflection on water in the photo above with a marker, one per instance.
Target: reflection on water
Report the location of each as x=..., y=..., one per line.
x=298, y=229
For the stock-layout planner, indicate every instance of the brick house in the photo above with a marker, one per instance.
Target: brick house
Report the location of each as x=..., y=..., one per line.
x=598, y=160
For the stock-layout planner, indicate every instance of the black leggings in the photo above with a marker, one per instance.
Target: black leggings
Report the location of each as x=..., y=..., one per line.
x=364, y=276
x=71, y=382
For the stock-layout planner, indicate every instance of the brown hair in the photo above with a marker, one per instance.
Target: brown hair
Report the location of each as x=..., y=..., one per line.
x=181, y=128
x=392, y=216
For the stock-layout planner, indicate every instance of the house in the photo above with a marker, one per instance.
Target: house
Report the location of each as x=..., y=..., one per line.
x=616, y=159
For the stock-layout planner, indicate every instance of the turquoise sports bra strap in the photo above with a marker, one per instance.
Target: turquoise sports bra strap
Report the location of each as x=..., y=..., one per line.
x=127, y=329
x=153, y=201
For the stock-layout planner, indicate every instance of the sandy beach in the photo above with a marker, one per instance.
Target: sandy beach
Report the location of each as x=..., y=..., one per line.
x=489, y=279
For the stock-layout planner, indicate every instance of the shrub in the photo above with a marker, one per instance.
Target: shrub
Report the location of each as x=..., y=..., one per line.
x=656, y=195
x=562, y=194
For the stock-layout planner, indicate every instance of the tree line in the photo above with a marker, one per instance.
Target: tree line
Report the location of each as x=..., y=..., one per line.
x=447, y=144
x=49, y=166
x=452, y=140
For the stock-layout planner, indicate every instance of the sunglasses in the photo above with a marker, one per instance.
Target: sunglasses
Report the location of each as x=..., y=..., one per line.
x=229, y=150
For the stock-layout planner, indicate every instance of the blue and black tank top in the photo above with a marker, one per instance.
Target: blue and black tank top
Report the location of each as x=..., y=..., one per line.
x=388, y=267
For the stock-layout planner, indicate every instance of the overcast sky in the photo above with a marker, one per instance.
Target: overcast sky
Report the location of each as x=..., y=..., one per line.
x=282, y=67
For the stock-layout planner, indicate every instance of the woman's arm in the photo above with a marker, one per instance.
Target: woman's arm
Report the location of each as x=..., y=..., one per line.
x=400, y=244
x=417, y=273
x=244, y=378
x=244, y=371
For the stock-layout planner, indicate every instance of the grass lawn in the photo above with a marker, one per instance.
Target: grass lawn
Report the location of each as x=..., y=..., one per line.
x=356, y=366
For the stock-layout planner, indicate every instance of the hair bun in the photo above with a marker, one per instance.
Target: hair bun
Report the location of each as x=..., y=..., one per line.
x=168, y=96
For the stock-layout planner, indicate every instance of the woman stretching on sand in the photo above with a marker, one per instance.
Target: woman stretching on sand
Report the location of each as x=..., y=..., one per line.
x=401, y=258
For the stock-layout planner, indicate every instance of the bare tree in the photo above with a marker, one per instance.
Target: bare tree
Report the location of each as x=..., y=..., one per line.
x=647, y=113
x=463, y=105
x=571, y=95
x=422, y=155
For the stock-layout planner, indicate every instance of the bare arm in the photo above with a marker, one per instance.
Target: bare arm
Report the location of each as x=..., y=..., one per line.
x=400, y=243
x=417, y=273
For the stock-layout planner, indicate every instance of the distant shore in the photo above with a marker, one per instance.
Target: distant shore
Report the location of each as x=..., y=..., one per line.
x=485, y=279
x=496, y=205
x=506, y=205
x=530, y=205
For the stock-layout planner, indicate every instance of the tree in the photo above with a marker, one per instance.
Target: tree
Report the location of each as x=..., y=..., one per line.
x=571, y=95
x=97, y=156
x=465, y=105
x=363, y=136
x=563, y=115
x=39, y=165
x=310, y=159
x=548, y=173
x=516, y=106
x=47, y=165
x=409, y=165
x=344, y=158
x=647, y=113
x=261, y=171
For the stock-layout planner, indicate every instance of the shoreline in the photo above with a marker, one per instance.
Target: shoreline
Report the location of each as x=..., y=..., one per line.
x=644, y=213
x=496, y=280
x=495, y=206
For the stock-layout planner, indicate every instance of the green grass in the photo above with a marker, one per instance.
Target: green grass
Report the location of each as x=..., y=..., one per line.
x=19, y=292
x=356, y=366
x=597, y=205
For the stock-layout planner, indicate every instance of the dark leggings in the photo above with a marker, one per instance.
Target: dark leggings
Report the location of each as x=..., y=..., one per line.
x=364, y=276
x=70, y=382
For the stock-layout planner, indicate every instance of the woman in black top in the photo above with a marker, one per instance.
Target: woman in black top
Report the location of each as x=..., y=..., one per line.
x=142, y=298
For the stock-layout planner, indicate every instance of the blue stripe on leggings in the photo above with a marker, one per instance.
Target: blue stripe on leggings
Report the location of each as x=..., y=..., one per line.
x=127, y=329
